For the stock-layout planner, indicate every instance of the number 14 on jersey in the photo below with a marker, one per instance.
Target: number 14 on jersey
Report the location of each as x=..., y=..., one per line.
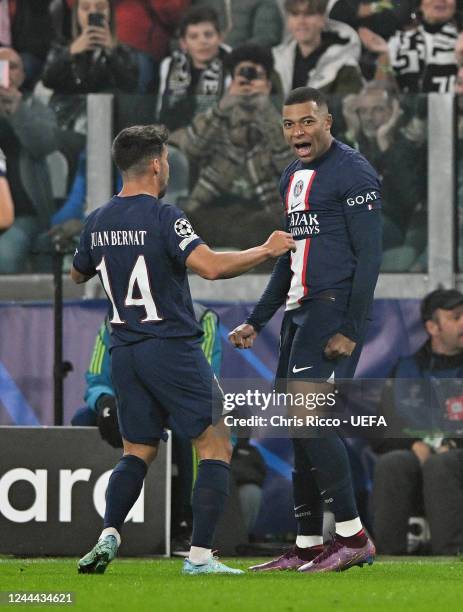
x=139, y=275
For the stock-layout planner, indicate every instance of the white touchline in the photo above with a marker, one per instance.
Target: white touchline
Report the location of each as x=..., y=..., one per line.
x=296, y=370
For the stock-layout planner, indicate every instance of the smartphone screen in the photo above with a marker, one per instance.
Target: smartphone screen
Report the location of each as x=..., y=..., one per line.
x=96, y=19
x=4, y=73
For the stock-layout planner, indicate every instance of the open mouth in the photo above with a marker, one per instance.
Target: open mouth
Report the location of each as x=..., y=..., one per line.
x=303, y=148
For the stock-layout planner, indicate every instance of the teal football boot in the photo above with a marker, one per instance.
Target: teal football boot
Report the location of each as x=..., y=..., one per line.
x=101, y=555
x=213, y=566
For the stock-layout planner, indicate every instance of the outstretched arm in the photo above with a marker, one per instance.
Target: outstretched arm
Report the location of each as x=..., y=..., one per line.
x=211, y=265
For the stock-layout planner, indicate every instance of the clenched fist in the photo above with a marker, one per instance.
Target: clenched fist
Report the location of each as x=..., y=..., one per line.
x=278, y=243
x=243, y=336
x=339, y=346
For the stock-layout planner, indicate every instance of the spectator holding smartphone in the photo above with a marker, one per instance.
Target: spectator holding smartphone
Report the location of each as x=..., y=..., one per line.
x=147, y=26
x=94, y=61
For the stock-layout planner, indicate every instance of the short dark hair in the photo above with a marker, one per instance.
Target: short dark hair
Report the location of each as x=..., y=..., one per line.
x=447, y=299
x=134, y=146
x=199, y=14
x=306, y=94
x=251, y=52
x=314, y=7
x=76, y=30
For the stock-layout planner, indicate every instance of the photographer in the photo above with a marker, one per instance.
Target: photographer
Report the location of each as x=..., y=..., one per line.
x=239, y=152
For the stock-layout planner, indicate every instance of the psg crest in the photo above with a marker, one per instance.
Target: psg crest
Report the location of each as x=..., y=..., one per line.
x=183, y=228
x=298, y=187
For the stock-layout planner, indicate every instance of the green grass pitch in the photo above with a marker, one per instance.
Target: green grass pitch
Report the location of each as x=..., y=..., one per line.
x=156, y=585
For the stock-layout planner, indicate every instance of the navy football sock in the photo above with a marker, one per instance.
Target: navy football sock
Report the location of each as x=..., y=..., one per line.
x=209, y=495
x=125, y=484
x=332, y=474
x=308, y=504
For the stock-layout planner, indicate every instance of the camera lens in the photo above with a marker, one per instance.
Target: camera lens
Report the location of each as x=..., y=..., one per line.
x=249, y=73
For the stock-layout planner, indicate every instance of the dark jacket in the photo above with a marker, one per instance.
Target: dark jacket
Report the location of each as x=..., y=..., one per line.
x=97, y=71
x=31, y=27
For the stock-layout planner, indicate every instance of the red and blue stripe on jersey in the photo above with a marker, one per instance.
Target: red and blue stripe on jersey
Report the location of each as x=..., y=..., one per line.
x=297, y=201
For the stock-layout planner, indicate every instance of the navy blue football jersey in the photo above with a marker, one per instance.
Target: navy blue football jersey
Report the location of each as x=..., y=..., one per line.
x=331, y=208
x=320, y=200
x=138, y=246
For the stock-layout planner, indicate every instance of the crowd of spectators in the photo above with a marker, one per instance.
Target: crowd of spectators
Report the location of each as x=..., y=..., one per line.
x=216, y=72
x=236, y=153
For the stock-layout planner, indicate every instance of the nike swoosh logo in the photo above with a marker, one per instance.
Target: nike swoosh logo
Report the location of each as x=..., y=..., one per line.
x=297, y=507
x=296, y=370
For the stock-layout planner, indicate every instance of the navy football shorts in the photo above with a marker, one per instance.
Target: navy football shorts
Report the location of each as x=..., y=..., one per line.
x=162, y=382
x=304, y=335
